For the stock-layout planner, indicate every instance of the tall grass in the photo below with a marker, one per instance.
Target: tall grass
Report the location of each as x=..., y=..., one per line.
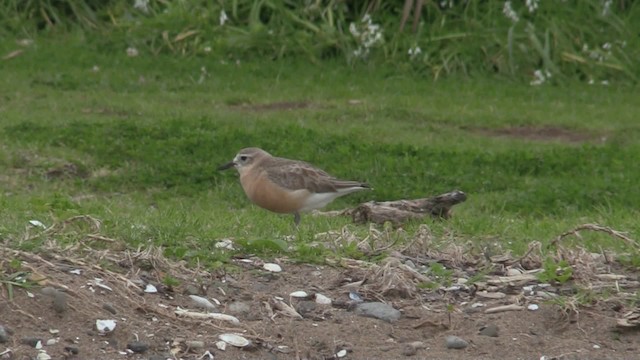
x=592, y=40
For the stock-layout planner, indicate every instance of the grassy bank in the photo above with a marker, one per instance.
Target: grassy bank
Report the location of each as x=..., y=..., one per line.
x=134, y=142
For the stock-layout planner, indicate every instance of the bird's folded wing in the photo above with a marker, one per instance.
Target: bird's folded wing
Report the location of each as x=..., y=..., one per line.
x=297, y=175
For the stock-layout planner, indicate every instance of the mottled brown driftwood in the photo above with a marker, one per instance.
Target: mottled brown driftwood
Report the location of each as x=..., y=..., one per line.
x=399, y=211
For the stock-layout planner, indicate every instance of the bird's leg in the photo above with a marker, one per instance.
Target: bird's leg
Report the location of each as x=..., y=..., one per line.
x=296, y=218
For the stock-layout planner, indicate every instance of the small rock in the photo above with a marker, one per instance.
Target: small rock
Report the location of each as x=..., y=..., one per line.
x=299, y=294
x=31, y=341
x=490, y=330
x=4, y=335
x=272, y=267
x=110, y=308
x=305, y=307
x=323, y=300
x=533, y=307
x=409, y=350
x=137, y=347
x=454, y=342
x=191, y=290
x=201, y=302
x=51, y=342
x=49, y=291
x=410, y=264
x=60, y=302
x=378, y=310
x=235, y=340
x=239, y=307
x=42, y=355
x=195, y=344
x=72, y=350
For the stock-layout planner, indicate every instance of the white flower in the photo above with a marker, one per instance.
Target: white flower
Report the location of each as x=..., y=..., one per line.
x=142, y=5
x=223, y=17
x=354, y=30
x=508, y=11
x=132, y=52
x=532, y=5
x=415, y=51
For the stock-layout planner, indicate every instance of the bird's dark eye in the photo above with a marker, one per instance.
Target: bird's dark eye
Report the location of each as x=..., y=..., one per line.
x=243, y=158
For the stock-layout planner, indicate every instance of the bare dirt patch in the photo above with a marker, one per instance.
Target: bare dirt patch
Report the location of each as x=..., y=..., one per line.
x=303, y=328
x=547, y=133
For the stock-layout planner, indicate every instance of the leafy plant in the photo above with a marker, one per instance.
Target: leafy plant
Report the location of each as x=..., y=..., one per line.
x=555, y=272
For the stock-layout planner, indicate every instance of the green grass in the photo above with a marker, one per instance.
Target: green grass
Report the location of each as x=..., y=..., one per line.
x=146, y=135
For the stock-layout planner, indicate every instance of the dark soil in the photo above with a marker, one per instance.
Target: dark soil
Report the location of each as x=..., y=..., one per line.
x=324, y=330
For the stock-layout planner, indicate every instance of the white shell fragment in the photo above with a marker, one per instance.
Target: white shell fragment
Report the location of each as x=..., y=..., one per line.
x=341, y=353
x=202, y=302
x=216, y=316
x=272, y=267
x=224, y=244
x=234, y=339
x=105, y=326
x=37, y=223
x=42, y=355
x=533, y=307
x=150, y=289
x=75, y=271
x=321, y=299
x=299, y=294
x=221, y=345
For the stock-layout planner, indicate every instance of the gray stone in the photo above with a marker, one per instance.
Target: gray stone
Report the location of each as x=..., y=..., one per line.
x=490, y=330
x=110, y=308
x=31, y=340
x=137, y=346
x=194, y=344
x=305, y=307
x=408, y=350
x=454, y=342
x=4, y=335
x=60, y=302
x=378, y=310
x=72, y=350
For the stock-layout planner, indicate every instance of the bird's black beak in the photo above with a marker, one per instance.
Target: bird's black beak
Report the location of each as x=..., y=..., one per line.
x=226, y=166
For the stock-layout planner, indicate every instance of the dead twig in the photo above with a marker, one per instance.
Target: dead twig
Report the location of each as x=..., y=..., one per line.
x=595, y=227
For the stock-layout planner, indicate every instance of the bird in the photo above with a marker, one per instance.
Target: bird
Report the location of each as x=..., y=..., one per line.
x=287, y=186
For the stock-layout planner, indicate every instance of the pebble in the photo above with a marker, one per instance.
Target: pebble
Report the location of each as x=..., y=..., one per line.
x=305, y=307
x=72, y=350
x=322, y=300
x=454, y=342
x=195, y=344
x=4, y=335
x=60, y=302
x=110, y=308
x=31, y=340
x=378, y=310
x=490, y=330
x=51, y=342
x=137, y=347
x=409, y=350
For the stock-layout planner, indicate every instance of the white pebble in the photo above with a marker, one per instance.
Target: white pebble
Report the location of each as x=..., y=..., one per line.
x=299, y=294
x=272, y=267
x=533, y=307
x=321, y=299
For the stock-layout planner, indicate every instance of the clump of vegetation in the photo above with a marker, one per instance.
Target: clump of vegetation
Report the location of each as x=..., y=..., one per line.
x=535, y=41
